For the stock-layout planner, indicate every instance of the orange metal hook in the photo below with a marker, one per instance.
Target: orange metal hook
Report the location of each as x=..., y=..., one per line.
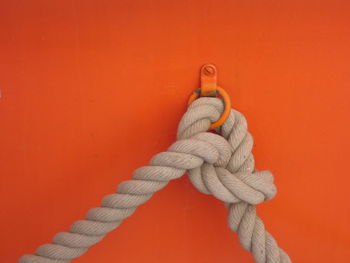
x=209, y=88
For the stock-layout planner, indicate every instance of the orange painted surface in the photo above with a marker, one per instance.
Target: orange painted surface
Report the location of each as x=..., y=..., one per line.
x=90, y=90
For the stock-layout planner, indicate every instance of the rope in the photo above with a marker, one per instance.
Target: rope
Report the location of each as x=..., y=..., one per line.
x=222, y=166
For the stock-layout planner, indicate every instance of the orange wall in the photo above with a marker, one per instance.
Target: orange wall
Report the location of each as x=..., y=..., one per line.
x=90, y=90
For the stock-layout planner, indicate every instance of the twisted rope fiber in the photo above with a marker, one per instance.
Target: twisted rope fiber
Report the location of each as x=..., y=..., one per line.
x=222, y=166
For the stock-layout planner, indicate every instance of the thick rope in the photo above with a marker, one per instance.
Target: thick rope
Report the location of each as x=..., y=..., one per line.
x=222, y=166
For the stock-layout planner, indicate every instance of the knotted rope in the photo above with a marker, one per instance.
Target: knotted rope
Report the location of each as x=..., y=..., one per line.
x=222, y=166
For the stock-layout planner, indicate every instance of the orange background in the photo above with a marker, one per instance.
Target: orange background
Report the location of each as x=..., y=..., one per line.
x=91, y=90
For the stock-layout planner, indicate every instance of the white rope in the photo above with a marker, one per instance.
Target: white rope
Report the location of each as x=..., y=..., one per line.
x=218, y=164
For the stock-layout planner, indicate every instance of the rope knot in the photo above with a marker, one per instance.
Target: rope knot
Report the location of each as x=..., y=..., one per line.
x=252, y=188
x=227, y=171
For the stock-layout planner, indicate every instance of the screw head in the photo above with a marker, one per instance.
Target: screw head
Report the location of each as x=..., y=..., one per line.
x=209, y=70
